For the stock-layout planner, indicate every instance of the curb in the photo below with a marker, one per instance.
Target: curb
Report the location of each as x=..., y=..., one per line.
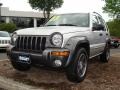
x=9, y=84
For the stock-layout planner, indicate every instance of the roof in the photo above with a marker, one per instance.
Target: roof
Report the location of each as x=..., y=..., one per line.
x=6, y=12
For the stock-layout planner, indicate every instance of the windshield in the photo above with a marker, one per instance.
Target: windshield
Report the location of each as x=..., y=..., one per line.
x=81, y=20
x=4, y=34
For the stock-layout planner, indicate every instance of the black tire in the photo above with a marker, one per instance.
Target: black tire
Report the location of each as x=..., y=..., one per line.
x=76, y=71
x=105, y=56
x=20, y=66
x=116, y=46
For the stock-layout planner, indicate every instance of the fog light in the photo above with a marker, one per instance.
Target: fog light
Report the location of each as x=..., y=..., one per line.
x=58, y=63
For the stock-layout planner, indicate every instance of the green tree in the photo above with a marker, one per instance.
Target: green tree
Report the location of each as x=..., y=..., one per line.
x=45, y=5
x=10, y=27
x=114, y=27
x=112, y=7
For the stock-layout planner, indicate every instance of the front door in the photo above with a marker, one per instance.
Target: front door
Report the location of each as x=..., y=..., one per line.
x=97, y=45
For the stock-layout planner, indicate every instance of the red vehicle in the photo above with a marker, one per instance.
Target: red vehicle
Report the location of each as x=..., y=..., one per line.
x=115, y=42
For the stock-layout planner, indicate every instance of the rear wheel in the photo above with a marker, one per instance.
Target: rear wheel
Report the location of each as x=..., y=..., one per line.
x=76, y=72
x=21, y=66
x=105, y=56
x=117, y=45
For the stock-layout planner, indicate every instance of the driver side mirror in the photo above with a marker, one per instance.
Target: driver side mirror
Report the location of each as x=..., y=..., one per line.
x=98, y=27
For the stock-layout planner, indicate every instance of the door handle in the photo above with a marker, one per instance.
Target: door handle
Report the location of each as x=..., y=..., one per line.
x=100, y=34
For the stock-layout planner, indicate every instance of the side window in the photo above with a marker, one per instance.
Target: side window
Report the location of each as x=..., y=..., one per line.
x=101, y=21
x=95, y=21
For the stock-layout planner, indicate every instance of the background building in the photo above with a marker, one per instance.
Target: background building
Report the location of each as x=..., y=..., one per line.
x=21, y=19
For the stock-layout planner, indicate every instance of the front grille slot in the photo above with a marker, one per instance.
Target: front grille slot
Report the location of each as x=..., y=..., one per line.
x=38, y=43
x=21, y=42
x=25, y=42
x=4, y=41
x=30, y=43
x=43, y=42
x=33, y=43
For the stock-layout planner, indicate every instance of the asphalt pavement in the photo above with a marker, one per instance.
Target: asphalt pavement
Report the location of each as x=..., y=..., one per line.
x=115, y=50
x=3, y=55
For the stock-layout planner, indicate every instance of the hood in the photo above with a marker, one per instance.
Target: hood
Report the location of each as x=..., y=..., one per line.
x=5, y=38
x=50, y=30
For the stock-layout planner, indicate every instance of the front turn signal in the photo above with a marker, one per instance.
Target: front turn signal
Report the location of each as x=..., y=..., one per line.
x=58, y=53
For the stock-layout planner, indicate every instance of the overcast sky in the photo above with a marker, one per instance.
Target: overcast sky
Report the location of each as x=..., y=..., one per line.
x=68, y=6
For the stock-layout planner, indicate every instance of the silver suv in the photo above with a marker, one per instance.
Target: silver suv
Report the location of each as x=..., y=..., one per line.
x=66, y=41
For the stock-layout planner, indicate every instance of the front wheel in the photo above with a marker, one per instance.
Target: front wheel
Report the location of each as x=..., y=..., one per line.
x=76, y=72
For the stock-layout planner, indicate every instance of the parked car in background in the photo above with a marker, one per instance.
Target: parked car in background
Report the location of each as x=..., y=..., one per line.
x=4, y=39
x=115, y=42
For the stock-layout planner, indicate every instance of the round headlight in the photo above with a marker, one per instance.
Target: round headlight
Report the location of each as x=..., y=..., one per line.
x=14, y=37
x=57, y=39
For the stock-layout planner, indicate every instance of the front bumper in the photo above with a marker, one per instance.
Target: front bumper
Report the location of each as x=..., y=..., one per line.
x=45, y=59
x=4, y=46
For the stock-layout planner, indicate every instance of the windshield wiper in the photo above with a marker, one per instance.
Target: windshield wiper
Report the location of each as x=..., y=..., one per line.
x=67, y=25
x=50, y=25
x=62, y=25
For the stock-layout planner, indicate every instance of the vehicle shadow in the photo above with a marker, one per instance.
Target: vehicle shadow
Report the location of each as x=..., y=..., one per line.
x=56, y=78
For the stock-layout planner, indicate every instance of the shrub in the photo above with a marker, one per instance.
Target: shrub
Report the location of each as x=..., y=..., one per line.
x=114, y=27
x=10, y=27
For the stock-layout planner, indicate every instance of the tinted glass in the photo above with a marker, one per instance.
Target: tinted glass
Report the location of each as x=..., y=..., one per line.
x=95, y=21
x=2, y=19
x=101, y=21
x=22, y=22
x=81, y=20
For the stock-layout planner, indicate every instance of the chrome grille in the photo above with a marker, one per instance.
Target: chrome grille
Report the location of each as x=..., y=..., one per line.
x=30, y=43
x=4, y=41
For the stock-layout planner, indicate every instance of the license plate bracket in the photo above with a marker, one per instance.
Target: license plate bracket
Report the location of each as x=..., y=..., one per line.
x=24, y=58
